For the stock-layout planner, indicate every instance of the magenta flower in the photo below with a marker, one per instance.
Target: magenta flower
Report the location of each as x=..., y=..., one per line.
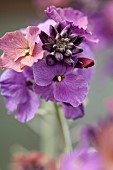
x=81, y=159
x=20, y=51
x=16, y=89
x=76, y=18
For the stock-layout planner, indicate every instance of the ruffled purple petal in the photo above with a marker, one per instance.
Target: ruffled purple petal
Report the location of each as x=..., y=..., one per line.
x=10, y=104
x=45, y=92
x=27, y=110
x=18, y=95
x=44, y=74
x=86, y=72
x=67, y=14
x=9, y=76
x=72, y=89
x=28, y=73
x=12, y=84
x=73, y=112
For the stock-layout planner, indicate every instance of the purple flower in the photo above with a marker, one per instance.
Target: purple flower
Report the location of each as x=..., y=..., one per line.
x=62, y=41
x=76, y=18
x=100, y=137
x=16, y=89
x=67, y=14
x=61, y=83
x=81, y=159
x=65, y=84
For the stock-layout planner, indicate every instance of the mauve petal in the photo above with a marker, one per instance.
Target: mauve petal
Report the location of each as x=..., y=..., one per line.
x=67, y=14
x=10, y=76
x=15, y=92
x=54, y=13
x=86, y=72
x=32, y=33
x=72, y=89
x=11, y=105
x=45, y=25
x=28, y=73
x=44, y=74
x=73, y=112
x=87, y=52
x=85, y=33
x=12, y=84
x=27, y=111
x=45, y=92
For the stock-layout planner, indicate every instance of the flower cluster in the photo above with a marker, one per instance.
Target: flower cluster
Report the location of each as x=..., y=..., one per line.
x=52, y=61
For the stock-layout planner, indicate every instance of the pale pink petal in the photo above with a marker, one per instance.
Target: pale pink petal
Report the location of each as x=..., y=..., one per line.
x=28, y=60
x=13, y=44
x=38, y=52
x=32, y=33
x=20, y=51
x=6, y=62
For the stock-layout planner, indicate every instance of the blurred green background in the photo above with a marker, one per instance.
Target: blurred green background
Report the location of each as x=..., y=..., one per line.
x=15, y=15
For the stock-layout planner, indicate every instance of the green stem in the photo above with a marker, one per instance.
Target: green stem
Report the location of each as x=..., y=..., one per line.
x=64, y=128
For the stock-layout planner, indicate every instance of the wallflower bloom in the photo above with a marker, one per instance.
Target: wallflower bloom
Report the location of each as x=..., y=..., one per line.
x=20, y=51
x=60, y=83
x=16, y=89
x=32, y=161
x=63, y=43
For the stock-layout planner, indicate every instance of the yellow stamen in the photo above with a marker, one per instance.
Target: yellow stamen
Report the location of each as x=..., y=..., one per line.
x=59, y=78
x=26, y=52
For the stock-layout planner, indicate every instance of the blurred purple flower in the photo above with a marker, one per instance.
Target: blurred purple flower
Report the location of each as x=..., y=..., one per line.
x=95, y=151
x=81, y=159
x=16, y=89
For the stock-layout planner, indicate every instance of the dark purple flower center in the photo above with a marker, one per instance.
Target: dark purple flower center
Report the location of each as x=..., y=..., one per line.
x=29, y=84
x=61, y=45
